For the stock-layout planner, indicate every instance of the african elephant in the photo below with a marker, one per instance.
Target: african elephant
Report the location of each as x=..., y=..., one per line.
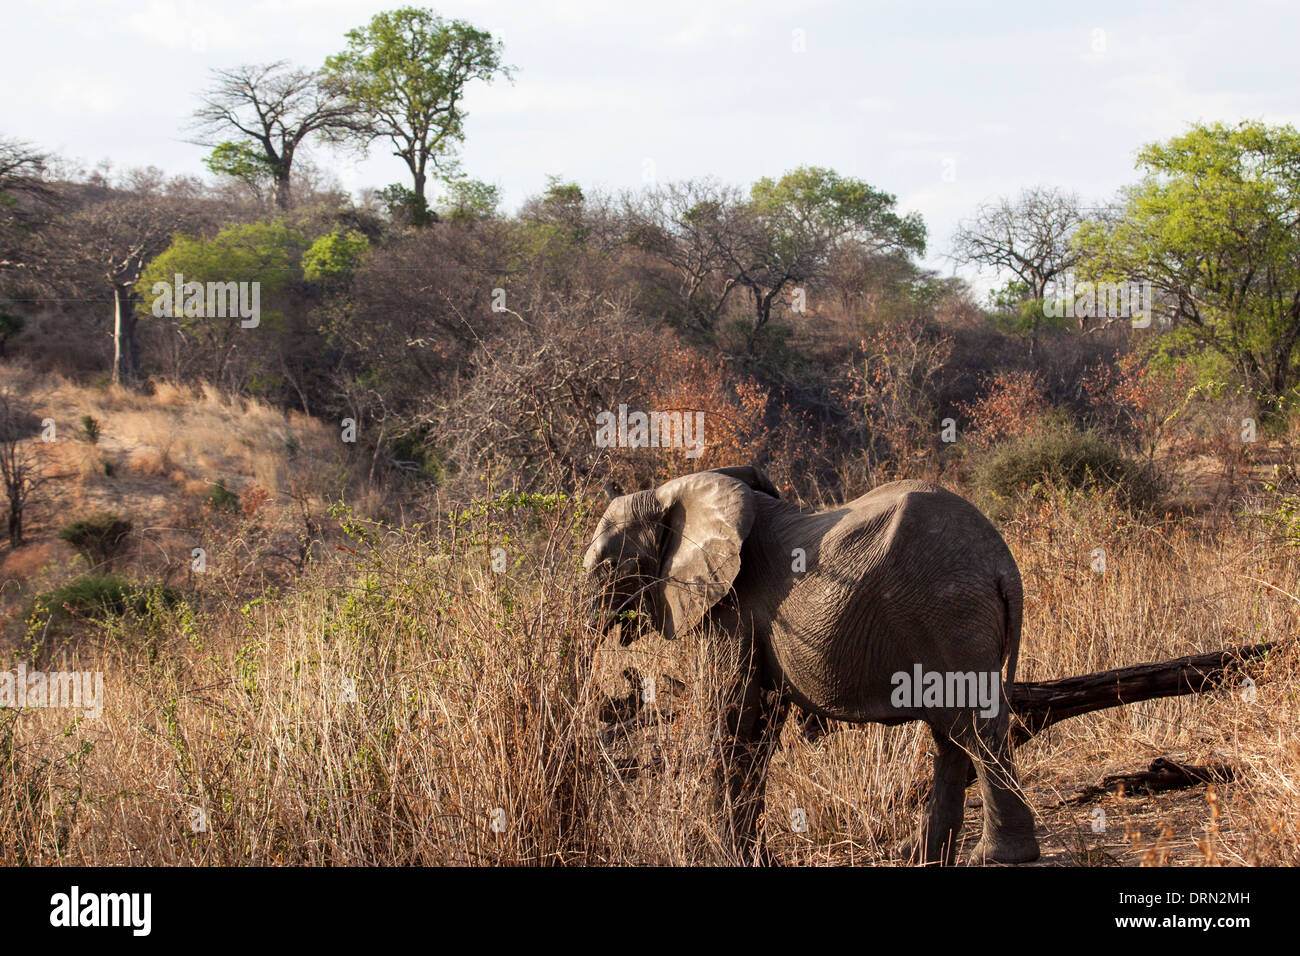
x=880, y=610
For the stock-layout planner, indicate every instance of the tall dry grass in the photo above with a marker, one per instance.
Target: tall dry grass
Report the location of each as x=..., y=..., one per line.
x=407, y=703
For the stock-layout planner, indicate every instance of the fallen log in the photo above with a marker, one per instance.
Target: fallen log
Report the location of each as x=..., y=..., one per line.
x=1163, y=774
x=1036, y=705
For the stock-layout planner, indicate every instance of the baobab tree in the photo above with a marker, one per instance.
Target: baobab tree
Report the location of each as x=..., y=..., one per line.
x=272, y=109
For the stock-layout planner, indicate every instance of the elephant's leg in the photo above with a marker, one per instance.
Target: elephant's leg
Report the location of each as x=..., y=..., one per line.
x=1008, y=835
x=753, y=719
x=943, y=820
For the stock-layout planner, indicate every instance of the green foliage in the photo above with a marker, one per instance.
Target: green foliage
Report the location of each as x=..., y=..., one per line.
x=10, y=326
x=561, y=214
x=1284, y=519
x=240, y=161
x=1016, y=312
x=334, y=257
x=268, y=253
x=98, y=597
x=414, y=456
x=221, y=497
x=811, y=202
x=407, y=70
x=1213, y=368
x=402, y=205
x=99, y=539
x=469, y=200
x=1060, y=455
x=1212, y=226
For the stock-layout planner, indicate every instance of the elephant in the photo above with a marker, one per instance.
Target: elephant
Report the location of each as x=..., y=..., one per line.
x=836, y=612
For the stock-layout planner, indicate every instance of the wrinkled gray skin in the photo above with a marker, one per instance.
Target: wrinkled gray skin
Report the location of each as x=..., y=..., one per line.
x=907, y=574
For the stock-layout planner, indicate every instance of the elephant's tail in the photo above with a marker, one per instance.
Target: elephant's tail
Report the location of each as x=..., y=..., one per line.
x=1013, y=601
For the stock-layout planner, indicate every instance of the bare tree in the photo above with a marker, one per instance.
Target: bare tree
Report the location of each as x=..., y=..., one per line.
x=107, y=244
x=25, y=196
x=22, y=167
x=20, y=470
x=274, y=108
x=1028, y=236
x=683, y=227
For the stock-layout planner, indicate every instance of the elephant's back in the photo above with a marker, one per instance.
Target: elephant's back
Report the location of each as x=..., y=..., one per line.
x=907, y=575
x=902, y=518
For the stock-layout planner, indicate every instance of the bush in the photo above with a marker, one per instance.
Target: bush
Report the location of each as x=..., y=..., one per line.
x=90, y=428
x=335, y=257
x=99, y=539
x=1061, y=455
x=1010, y=406
x=222, y=497
x=99, y=596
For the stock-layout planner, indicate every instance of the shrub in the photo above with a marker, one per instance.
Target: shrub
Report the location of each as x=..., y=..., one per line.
x=1140, y=398
x=1009, y=407
x=1064, y=456
x=894, y=385
x=222, y=497
x=99, y=539
x=334, y=257
x=90, y=428
x=99, y=596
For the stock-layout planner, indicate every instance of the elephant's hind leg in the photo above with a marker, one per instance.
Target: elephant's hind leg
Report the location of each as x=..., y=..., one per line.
x=1008, y=835
x=942, y=824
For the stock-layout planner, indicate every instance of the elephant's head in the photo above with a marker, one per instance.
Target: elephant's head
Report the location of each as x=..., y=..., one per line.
x=674, y=552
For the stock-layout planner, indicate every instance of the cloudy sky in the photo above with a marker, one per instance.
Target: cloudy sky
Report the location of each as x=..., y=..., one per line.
x=943, y=104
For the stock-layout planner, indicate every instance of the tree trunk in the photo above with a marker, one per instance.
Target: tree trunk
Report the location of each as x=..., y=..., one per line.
x=1038, y=705
x=126, y=348
x=283, y=189
x=420, y=212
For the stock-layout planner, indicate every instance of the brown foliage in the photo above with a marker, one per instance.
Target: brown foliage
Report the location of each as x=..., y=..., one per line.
x=1011, y=405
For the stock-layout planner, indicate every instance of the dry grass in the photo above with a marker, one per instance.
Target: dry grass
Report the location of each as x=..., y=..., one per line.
x=475, y=696
x=175, y=430
x=476, y=693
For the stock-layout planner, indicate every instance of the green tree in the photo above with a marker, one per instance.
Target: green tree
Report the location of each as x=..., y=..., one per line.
x=266, y=253
x=240, y=162
x=469, y=200
x=791, y=227
x=334, y=257
x=407, y=70
x=1214, y=226
x=1016, y=310
x=10, y=326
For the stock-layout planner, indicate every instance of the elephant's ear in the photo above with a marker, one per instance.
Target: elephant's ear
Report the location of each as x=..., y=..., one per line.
x=706, y=519
x=750, y=475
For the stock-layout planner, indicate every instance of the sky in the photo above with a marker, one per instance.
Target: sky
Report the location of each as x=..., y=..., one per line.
x=945, y=105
